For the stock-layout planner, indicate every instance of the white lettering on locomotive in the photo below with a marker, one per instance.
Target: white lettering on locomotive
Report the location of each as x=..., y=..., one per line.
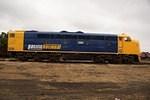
x=34, y=47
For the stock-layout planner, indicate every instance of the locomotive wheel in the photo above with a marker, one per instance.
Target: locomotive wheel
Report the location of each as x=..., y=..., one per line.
x=22, y=58
x=99, y=60
x=54, y=59
x=36, y=58
x=128, y=60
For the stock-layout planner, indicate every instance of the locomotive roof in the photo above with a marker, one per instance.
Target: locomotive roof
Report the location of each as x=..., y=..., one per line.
x=72, y=33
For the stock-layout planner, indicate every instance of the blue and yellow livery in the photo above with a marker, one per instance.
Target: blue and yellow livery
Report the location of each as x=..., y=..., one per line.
x=98, y=47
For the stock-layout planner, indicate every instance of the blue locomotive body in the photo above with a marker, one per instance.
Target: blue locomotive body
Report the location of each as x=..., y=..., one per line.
x=70, y=41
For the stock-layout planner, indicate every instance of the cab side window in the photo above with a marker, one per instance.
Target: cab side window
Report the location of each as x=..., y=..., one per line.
x=11, y=35
x=128, y=39
x=120, y=38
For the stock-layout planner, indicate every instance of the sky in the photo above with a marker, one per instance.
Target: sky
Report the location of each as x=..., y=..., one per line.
x=94, y=16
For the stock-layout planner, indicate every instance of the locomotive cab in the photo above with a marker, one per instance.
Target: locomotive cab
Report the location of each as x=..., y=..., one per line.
x=129, y=47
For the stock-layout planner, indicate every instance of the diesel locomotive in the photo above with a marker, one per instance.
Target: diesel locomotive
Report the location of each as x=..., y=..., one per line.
x=61, y=46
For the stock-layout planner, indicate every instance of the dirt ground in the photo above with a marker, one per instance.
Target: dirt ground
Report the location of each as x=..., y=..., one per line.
x=73, y=81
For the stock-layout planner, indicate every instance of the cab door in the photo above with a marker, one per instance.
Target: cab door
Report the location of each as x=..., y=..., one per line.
x=15, y=41
x=120, y=44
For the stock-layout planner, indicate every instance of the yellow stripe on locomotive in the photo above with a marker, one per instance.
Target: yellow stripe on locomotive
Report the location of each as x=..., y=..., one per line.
x=51, y=46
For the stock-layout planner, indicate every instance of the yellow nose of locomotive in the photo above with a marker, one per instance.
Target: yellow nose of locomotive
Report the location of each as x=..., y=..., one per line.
x=128, y=46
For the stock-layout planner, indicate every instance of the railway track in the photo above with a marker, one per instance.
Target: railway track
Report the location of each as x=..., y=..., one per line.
x=69, y=61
